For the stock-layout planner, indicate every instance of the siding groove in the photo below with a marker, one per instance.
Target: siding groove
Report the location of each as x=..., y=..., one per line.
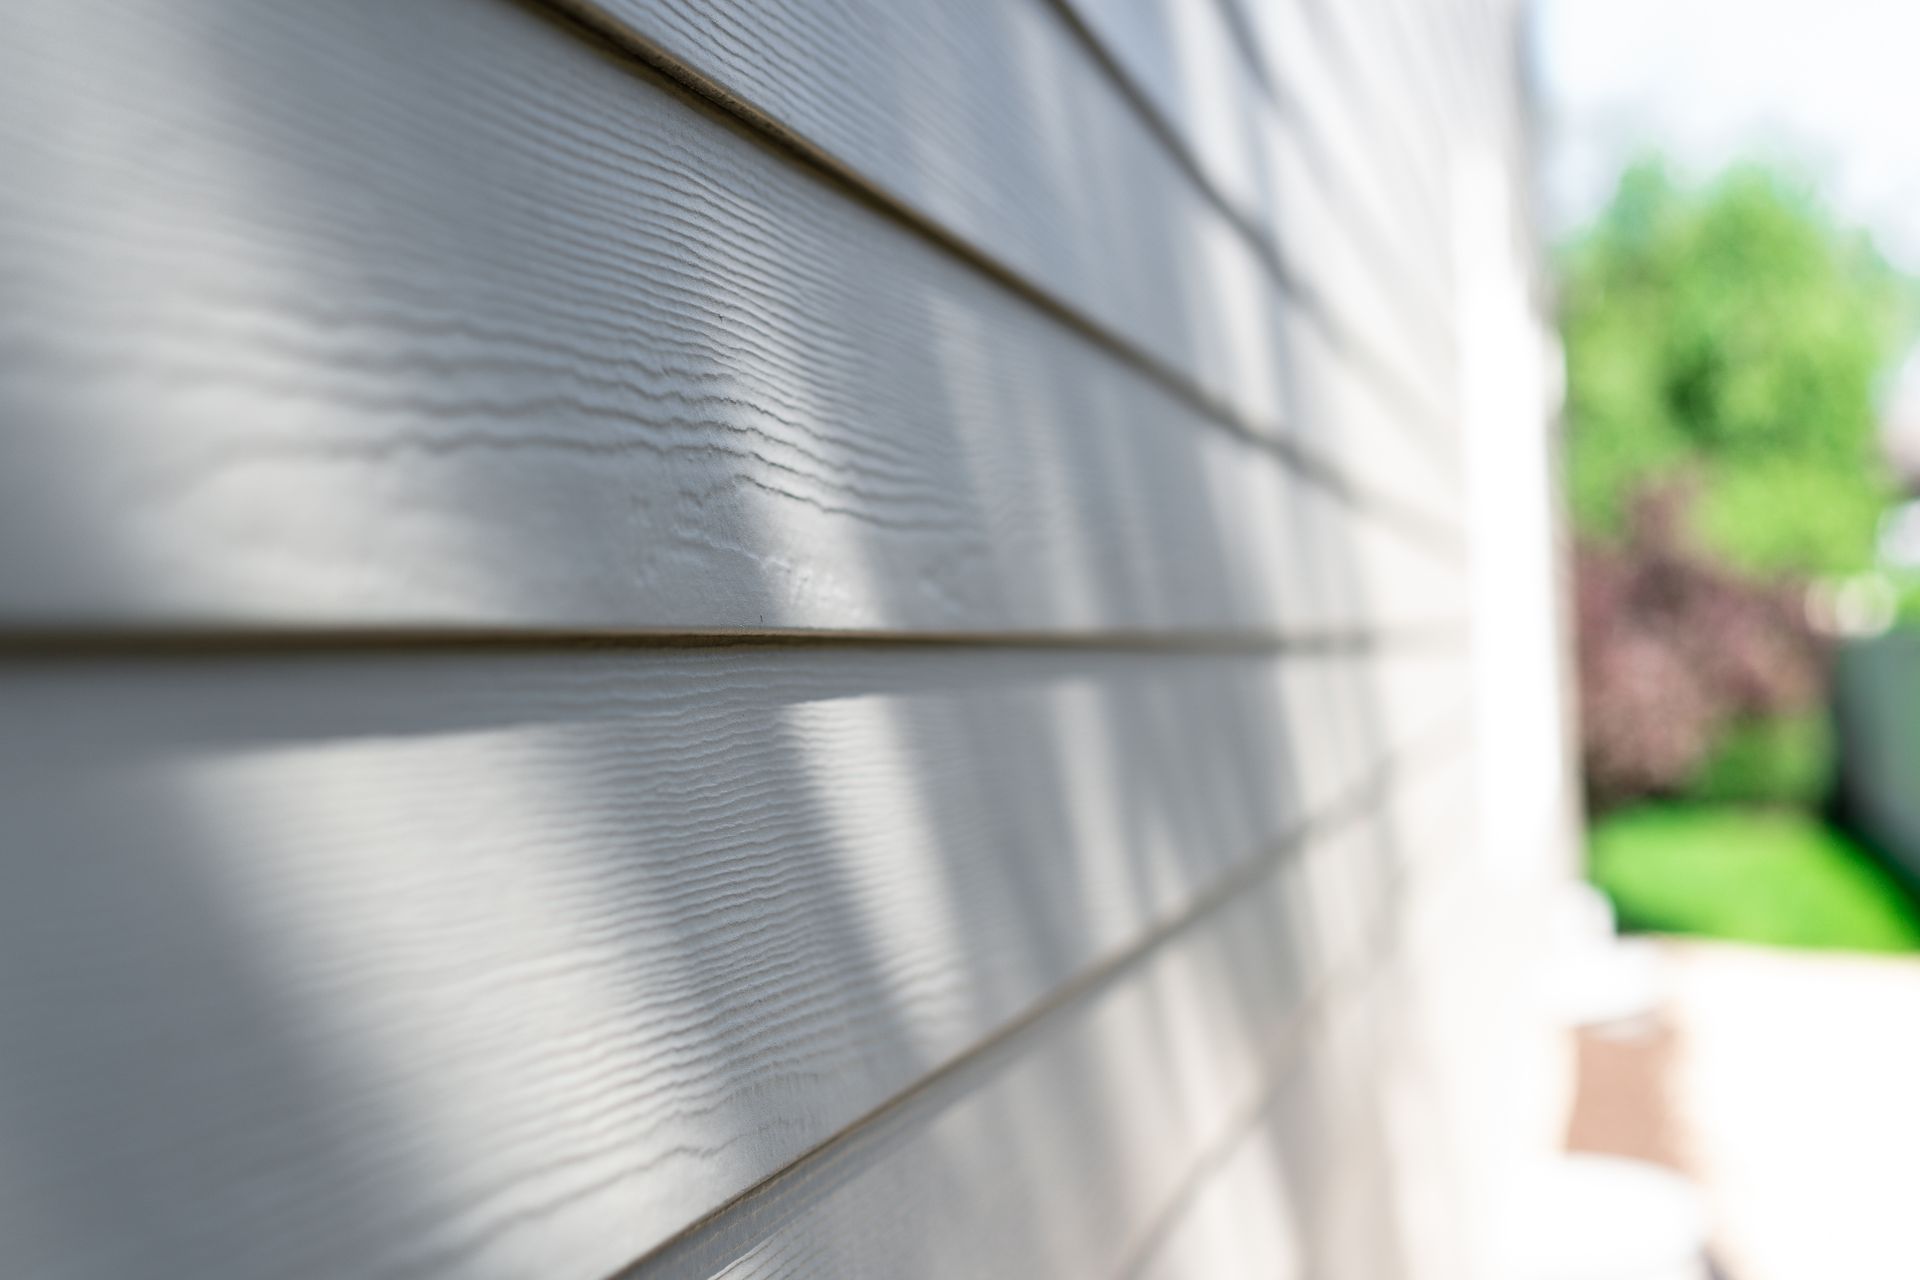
x=21, y=644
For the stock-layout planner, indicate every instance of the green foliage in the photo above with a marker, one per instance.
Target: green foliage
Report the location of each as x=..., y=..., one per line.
x=1734, y=334
x=1778, y=760
x=1749, y=875
x=1780, y=514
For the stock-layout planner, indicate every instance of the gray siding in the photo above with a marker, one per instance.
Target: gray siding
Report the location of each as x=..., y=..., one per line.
x=513, y=335
x=777, y=639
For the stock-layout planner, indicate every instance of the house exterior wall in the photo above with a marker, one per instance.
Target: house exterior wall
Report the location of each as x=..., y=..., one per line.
x=878, y=638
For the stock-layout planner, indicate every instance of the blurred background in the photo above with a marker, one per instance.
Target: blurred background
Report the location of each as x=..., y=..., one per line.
x=1733, y=195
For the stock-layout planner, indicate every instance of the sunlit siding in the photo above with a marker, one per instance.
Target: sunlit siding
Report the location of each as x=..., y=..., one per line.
x=765, y=638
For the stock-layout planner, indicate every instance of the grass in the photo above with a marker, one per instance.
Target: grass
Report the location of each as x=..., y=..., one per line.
x=1778, y=877
x=1782, y=759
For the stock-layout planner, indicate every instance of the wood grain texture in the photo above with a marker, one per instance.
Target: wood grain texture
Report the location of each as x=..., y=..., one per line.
x=992, y=121
x=434, y=315
x=1069, y=1142
x=516, y=964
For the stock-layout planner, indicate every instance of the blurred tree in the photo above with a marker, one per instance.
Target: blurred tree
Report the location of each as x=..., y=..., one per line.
x=1734, y=335
x=1694, y=681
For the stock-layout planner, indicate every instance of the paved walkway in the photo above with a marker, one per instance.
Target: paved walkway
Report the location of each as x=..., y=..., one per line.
x=1795, y=1083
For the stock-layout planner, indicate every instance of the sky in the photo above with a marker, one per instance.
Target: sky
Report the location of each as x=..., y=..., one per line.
x=1830, y=86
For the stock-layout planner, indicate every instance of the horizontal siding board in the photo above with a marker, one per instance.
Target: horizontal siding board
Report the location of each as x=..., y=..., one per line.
x=991, y=121
x=1291, y=185
x=1332, y=401
x=1435, y=42
x=1404, y=136
x=433, y=315
x=1242, y=1221
x=1309, y=1189
x=518, y=963
x=1301, y=57
x=1344, y=1167
x=1067, y=1146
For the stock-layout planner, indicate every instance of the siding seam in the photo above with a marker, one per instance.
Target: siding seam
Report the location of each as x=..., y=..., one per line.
x=29, y=643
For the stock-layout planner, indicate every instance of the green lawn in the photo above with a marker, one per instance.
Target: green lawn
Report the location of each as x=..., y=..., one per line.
x=1748, y=875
